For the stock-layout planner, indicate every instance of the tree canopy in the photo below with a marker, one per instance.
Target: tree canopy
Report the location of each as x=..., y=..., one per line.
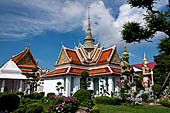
x=155, y=21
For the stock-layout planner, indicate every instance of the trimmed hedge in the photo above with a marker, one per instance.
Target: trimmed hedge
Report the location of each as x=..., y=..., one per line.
x=35, y=95
x=9, y=102
x=50, y=94
x=82, y=95
x=107, y=100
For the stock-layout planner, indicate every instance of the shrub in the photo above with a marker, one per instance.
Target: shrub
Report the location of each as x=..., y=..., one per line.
x=95, y=109
x=156, y=89
x=9, y=102
x=20, y=110
x=87, y=103
x=64, y=105
x=165, y=102
x=107, y=100
x=82, y=95
x=20, y=93
x=41, y=94
x=144, y=97
x=49, y=94
x=34, y=108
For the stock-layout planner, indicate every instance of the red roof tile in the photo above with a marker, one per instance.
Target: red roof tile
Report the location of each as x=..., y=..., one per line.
x=18, y=57
x=57, y=71
x=105, y=55
x=116, y=70
x=26, y=70
x=28, y=66
x=151, y=65
x=73, y=56
x=99, y=71
x=91, y=72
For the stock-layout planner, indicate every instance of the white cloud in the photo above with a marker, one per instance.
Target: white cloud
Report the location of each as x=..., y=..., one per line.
x=23, y=18
x=105, y=27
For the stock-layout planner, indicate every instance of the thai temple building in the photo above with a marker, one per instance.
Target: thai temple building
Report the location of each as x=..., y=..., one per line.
x=103, y=66
x=12, y=78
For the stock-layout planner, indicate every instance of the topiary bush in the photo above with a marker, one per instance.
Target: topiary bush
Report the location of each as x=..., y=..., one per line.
x=34, y=108
x=9, y=102
x=144, y=97
x=82, y=95
x=107, y=100
x=50, y=94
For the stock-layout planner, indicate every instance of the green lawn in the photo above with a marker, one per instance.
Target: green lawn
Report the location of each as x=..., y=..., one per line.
x=132, y=109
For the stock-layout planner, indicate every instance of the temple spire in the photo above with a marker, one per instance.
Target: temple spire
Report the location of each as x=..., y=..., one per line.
x=89, y=40
x=145, y=61
x=125, y=50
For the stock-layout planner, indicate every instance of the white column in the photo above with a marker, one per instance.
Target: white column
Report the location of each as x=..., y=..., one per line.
x=3, y=86
x=20, y=86
x=110, y=82
x=152, y=77
x=68, y=85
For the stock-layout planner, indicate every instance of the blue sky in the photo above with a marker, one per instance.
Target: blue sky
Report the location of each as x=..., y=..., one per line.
x=46, y=23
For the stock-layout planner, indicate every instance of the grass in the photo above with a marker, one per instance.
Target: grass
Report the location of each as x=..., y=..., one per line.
x=132, y=109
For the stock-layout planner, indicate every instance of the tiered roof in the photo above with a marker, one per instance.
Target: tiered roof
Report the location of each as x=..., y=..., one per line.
x=98, y=62
x=25, y=61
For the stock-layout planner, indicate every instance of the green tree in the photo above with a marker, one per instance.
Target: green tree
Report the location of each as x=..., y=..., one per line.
x=155, y=21
x=84, y=81
x=33, y=79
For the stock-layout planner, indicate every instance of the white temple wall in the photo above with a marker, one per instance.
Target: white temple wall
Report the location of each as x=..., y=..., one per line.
x=51, y=83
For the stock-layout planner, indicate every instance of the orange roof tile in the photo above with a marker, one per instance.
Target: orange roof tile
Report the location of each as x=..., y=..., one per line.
x=28, y=66
x=91, y=72
x=116, y=70
x=26, y=70
x=73, y=56
x=57, y=71
x=99, y=71
x=77, y=70
x=18, y=57
x=105, y=55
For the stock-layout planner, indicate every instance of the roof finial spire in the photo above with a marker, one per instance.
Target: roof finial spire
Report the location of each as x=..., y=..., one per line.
x=89, y=19
x=125, y=50
x=89, y=40
x=144, y=56
x=29, y=45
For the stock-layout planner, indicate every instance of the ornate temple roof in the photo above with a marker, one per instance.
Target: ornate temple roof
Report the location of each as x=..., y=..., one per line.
x=25, y=61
